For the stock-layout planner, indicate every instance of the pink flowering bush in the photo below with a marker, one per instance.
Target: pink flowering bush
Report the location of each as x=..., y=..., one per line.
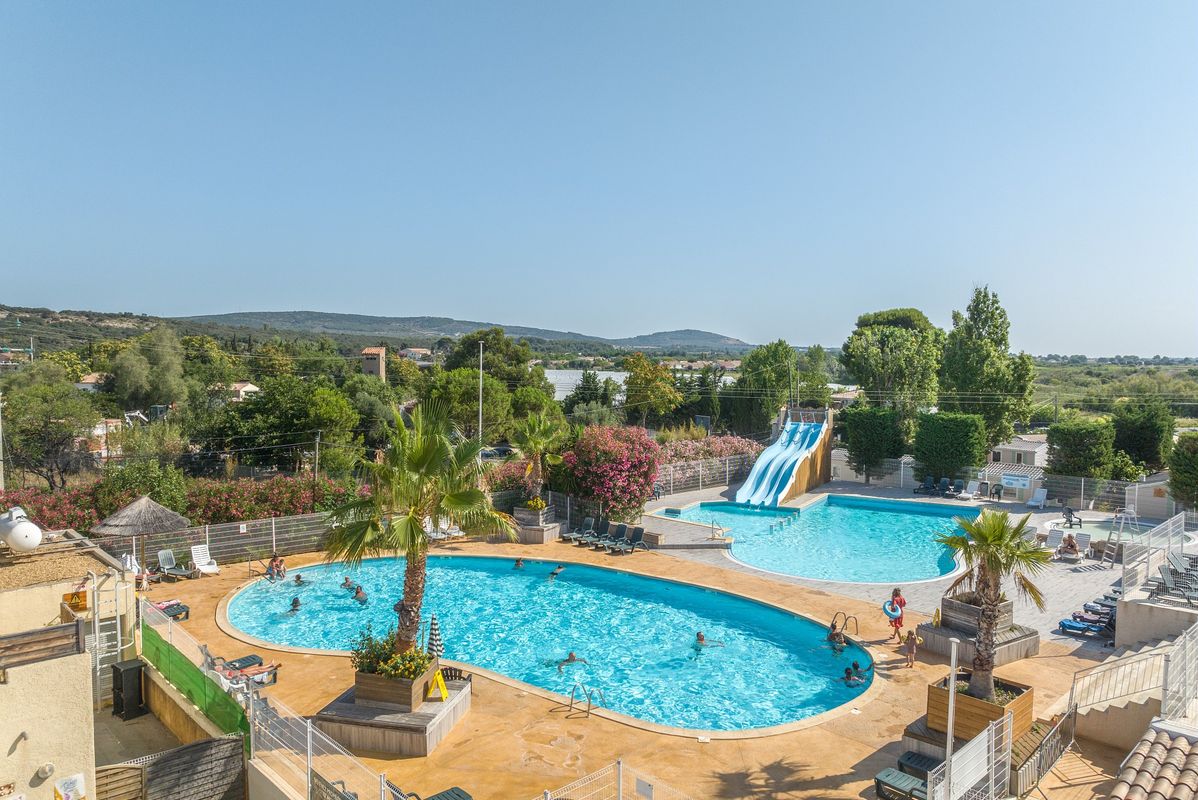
x=709, y=447
x=615, y=467
x=508, y=476
x=55, y=511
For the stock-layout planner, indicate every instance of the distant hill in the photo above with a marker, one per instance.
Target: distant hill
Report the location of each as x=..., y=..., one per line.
x=423, y=328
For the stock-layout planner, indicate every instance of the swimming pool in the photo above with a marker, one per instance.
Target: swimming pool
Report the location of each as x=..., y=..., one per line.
x=636, y=633
x=838, y=538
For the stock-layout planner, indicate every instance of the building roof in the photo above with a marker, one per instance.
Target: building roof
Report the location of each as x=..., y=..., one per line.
x=141, y=516
x=374, y=351
x=1159, y=767
x=1027, y=443
x=241, y=386
x=92, y=377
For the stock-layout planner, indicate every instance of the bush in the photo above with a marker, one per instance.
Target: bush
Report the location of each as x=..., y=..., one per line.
x=1082, y=447
x=946, y=443
x=122, y=483
x=683, y=433
x=410, y=665
x=1183, y=470
x=55, y=511
x=508, y=476
x=710, y=447
x=615, y=467
x=369, y=653
x=211, y=501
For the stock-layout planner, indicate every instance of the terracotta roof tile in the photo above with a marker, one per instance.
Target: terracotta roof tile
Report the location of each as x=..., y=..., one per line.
x=1159, y=767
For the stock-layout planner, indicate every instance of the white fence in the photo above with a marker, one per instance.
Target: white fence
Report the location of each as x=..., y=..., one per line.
x=686, y=476
x=1179, y=700
x=614, y=782
x=980, y=770
x=1142, y=560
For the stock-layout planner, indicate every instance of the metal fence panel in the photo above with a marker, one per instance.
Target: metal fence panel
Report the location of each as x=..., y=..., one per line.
x=615, y=782
x=979, y=770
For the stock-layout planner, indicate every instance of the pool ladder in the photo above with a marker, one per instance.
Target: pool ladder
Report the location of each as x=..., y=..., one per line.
x=844, y=622
x=717, y=531
x=589, y=694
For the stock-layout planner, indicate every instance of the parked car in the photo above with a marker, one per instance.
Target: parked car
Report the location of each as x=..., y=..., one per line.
x=498, y=452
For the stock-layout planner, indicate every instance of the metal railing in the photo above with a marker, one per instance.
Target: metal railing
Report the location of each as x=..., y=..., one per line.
x=979, y=770
x=1179, y=701
x=1142, y=559
x=685, y=476
x=1142, y=674
x=1056, y=742
x=614, y=782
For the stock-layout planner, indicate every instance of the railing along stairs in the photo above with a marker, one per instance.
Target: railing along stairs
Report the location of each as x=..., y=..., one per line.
x=590, y=694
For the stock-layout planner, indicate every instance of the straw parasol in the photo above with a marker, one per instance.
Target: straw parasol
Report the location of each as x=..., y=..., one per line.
x=140, y=517
x=436, y=648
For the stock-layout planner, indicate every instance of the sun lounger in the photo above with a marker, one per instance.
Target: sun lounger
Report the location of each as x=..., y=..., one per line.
x=1170, y=588
x=170, y=568
x=202, y=561
x=455, y=793
x=635, y=539
x=592, y=536
x=918, y=764
x=1075, y=628
x=927, y=487
x=616, y=534
x=1038, y=498
x=970, y=493
x=1083, y=547
x=894, y=785
x=996, y=492
x=1089, y=619
x=1055, y=536
x=957, y=490
x=583, y=529
x=943, y=488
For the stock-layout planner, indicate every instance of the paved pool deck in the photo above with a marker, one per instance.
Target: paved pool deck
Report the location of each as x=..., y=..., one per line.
x=515, y=743
x=1066, y=586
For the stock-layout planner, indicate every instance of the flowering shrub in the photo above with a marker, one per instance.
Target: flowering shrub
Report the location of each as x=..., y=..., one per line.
x=615, y=467
x=508, y=476
x=710, y=447
x=54, y=511
x=410, y=665
x=536, y=504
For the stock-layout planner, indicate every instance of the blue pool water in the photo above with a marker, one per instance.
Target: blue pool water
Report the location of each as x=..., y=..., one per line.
x=637, y=634
x=851, y=539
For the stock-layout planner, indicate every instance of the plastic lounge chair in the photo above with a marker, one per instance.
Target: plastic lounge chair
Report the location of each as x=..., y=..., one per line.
x=918, y=764
x=1088, y=619
x=996, y=492
x=943, y=488
x=1075, y=628
x=455, y=793
x=202, y=561
x=615, y=534
x=1072, y=520
x=594, y=535
x=958, y=488
x=1083, y=547
x=1168, y=587
x=1055, y=537
x=894, y=785
x=1038, y=498
x=170, y=568
x=581, y=530
x=928, y=485
x=635, y=539
x=614, y=542
x=971, y=491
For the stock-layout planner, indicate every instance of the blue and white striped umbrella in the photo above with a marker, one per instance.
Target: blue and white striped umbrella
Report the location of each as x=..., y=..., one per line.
x=435, y=648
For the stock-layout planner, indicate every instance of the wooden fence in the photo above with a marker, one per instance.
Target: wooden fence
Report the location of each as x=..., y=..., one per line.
x=42, y=644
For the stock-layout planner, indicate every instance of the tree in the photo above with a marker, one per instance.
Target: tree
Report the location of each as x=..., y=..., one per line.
x=1144, y=430
x=648, y=387
x=530, y=400
x=994, y=550
x=615, y=467
x=69, y=360
x=504, y=358
x=871, y=435
x=331, y=413
x=1082, y=448
x=407, y=378
x=979, y=374
x=162, y=442
x=427, y=472
x=946, y=443
x=536, y=438
x=46, y=420
x=595, y=413
x=124, y=482
x=763, y=386
x=813, y=378
x=1123, y=468
x=272, y=361
x=151, y=372
x=894, y=356
x=1183, y=470
x=457, y=391
x=588, y=390
x=373, y=400
x=131, y=378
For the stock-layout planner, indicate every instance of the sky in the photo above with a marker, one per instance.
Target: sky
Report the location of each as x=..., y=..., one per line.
x=763, y=170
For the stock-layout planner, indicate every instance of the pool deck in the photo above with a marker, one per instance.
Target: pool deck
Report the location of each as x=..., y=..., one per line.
x=1066, y=586
x=513, y=744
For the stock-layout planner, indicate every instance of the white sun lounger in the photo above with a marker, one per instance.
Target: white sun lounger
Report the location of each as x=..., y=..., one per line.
x=1038, y=498
x=202, y=561
x=971, y=491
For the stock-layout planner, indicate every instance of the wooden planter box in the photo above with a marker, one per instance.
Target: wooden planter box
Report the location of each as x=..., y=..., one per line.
x=534, y=519
x=963, y=617
x=399, y=694
x=973, y=715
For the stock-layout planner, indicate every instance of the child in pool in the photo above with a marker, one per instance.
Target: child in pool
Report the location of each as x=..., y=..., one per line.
x=850, y=679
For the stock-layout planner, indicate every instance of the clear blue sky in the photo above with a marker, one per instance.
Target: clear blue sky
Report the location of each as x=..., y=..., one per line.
x=758, y=169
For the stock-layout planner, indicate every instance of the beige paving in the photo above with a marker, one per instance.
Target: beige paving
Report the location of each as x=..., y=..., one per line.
x=514, y=744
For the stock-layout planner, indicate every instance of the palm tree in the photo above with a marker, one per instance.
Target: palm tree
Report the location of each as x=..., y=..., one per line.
x=535, y=438
x=993, y=550
x=426, y=472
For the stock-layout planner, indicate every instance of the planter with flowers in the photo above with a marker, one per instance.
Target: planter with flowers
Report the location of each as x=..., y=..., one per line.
x=534, y=513
x=388, y=679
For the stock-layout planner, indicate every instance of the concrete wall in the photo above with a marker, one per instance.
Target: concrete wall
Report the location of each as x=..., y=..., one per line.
x=46, y=718
x=174, y=711
x=37, y=606
x=1119, y=726
x=1141, y=621
x=1151, y=500
x=263, y=784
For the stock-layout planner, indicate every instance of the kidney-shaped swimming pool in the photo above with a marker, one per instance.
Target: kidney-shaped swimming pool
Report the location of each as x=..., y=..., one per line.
x=765, y=667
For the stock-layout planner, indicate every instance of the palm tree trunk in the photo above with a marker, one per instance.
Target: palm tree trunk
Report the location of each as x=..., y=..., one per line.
x=537, y=480
x=981, y=682
x=407, y=631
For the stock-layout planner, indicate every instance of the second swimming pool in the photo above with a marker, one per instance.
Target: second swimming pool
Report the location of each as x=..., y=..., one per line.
x=839, y=538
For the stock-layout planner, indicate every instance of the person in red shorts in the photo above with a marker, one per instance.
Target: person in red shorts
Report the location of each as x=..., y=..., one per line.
x=896, y=597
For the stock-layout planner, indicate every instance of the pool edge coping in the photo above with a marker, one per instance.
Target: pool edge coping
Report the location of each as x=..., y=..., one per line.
x=846, y=708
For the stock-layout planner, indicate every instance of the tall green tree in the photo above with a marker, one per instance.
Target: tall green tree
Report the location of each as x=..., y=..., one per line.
x=457, y=391
x=762, y=387
x=1183, y=470
x=979, y=375
x=648, y=388
x=427, y=472
x=946, y=443
x=1083, y=447
x=994, y=549
x=331, y=414
x=69, y=360
x=505, y=359
x=813, y=378
x=894, y=356
x=872, y=435
x=587, y=390
x=537, y=438
x=46, y=420
x=151, y=372
x=1144, y=430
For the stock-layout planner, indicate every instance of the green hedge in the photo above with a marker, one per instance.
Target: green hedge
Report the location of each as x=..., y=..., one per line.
x=197, y=687
x=947, y=443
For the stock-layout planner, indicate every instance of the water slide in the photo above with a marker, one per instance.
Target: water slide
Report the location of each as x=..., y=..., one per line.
x=774, y=469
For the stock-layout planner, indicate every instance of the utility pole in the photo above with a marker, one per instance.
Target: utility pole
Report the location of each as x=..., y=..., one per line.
x=30, y=349
x=1, y=441
x=315, y=472
x=480, y=392
x=1056, y=408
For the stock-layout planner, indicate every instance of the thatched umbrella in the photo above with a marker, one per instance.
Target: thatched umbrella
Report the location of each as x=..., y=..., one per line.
x=140, y=517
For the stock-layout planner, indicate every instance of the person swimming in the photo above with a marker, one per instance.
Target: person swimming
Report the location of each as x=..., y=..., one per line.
x=519, y=564
x=360, y=595
x=299, y=580
x=836, y=637
x=348, y=584
x=556, y=571
x=860, y=671
x=850, y=679
x=701, y=641
x=571, y=659
x=295, y=605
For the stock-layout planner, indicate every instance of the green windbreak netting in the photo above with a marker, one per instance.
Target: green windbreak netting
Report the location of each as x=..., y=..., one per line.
x=185, y=676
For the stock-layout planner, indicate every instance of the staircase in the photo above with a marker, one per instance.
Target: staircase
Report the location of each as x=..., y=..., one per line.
x=1117, y=699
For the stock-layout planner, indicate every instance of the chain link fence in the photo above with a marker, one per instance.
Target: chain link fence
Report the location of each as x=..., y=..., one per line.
x=614, y=782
